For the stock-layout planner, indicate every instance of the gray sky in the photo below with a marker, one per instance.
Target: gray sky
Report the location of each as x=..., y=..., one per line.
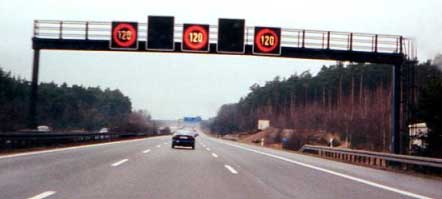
x=172, y=86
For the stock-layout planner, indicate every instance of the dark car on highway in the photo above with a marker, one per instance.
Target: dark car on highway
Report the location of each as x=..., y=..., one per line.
x=183, y=138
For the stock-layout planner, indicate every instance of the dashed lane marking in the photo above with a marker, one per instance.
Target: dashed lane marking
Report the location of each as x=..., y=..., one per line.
x=119, y=162
x=43, y=195
x=231, y=169
x=146, y=151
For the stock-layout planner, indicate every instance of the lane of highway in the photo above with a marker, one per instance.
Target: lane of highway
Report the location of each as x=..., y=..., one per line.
x=149, y=168
x=287, y=173
x=22, y=176
x=396, y=182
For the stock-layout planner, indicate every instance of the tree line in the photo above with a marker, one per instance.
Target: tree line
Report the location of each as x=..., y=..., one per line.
x=352, y=101
x=66, y=107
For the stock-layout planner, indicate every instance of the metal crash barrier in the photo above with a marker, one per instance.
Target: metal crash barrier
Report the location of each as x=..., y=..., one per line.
x=377, y=159
x=19, y=140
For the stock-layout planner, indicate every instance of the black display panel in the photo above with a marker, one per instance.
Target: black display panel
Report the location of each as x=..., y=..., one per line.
x=231, y=36
x=160, y=33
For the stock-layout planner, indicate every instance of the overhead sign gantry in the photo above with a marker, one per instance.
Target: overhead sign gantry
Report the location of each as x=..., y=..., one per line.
x=229, y=36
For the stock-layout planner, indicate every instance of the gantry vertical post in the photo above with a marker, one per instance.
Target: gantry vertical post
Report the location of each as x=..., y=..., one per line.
x=34, y=90
x=395, y=146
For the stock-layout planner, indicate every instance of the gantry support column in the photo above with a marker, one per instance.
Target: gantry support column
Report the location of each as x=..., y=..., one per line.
x=32, y=123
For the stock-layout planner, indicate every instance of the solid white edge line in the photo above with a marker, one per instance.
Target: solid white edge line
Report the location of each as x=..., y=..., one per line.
x=231, y=169
x=367, y=182
x=214, y=155
x=70, y=148
x=43, y=195
x=119, y=162
x=146, y=151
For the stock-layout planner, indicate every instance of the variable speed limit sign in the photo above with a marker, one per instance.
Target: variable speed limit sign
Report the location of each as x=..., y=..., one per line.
x=124, y=36
x=195, y=38
x=267, y=41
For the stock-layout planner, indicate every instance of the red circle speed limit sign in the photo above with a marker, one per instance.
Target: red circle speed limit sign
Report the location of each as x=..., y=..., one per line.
x=124, y=35
x=195, y=37
x=267, y=41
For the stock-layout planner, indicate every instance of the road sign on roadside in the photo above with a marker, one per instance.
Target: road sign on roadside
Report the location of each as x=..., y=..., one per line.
x=160, y=33
x=263, y=124
x=124, y=35
x=195, y=38
x=267, y=41
x=231, y=36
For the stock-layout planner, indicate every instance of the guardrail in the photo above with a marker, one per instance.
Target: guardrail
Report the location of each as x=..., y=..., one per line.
x=296, y=38
x=375, y=158
x=19, y=140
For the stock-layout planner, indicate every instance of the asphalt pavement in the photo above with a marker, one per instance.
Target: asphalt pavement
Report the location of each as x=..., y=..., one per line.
x=216, y=169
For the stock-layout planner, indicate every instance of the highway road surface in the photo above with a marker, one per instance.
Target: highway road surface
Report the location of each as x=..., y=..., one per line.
x=216, y=169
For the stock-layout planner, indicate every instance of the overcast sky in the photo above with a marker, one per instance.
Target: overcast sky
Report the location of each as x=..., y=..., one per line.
x=173, y=86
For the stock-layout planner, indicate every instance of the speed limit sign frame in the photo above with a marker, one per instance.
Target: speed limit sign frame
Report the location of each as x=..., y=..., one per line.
x=272, y=31
x=186, y=28
x=123, y=24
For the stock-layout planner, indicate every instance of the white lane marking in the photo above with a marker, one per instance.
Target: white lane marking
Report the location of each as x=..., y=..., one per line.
x=208, y=149
x=71, y=148
x=214, y=155
x=158, y=146
x=43, y=195
x=119, y=162
x=146, y=151
x=166, y=142
x=231, y=169
x=367, y=182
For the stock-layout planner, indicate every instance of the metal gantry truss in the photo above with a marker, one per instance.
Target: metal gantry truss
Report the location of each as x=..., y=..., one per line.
x=294, y=38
